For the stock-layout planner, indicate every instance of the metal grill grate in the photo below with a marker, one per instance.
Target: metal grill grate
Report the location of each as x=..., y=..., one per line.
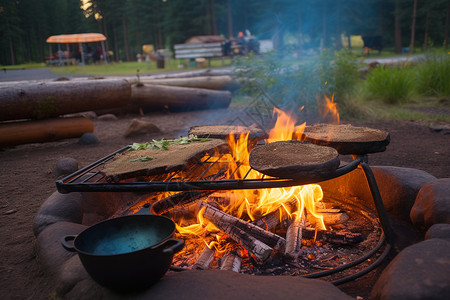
x=194, y=177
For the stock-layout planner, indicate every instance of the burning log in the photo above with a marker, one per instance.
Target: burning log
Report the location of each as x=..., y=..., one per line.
x=184, y=198
x=205, y=259
x=249, y=242
x=331, y=216
x=334, y=237
x=223, y=220
x=272, y=219
x=232, y=262
x=294, y=237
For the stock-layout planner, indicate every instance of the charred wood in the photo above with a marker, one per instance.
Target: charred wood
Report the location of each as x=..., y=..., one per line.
x=224, y=220
x=205, y=259
x=294, y=237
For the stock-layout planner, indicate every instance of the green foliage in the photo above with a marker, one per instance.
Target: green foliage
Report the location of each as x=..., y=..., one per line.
x=433, y=75
x=392, y=85
x=292, y=84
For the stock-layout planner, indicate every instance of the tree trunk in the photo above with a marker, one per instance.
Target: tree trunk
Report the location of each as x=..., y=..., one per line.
x=177, y=98
x=230, y=20
x=413, y=28
x=125, y=39
x=446, y=27
x=398, y=29
x=25, y=132
x=425, y=38
x=213, y=17
x=40, y=100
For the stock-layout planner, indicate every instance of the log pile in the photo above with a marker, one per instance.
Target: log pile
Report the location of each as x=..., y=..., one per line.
x=256, y=237
x=24, y=105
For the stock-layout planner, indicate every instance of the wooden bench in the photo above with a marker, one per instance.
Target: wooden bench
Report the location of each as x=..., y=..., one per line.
x=60, y=62
x=193, y=51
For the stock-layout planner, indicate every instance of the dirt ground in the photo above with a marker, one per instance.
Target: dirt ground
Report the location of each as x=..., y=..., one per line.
x=26, y=180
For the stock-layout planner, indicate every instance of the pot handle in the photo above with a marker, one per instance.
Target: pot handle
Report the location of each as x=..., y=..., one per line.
x=67, y=242
x=176, y=247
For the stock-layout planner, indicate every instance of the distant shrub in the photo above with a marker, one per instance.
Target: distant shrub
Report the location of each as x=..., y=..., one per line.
x=433, y=75
x=392, y=85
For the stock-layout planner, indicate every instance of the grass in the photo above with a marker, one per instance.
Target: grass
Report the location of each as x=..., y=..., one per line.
x=130, y=68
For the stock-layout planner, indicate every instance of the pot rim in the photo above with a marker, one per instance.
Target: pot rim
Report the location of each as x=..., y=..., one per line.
x=154, y=246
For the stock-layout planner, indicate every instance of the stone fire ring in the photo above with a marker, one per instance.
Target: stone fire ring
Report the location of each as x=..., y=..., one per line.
x=411, y=196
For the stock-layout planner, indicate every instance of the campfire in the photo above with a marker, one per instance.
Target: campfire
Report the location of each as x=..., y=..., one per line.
x=233, y=217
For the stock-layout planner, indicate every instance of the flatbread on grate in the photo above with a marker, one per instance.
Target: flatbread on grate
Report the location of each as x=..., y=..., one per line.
x=222, y=131
x=131, y=164
x=348, y=139
x=294, y=159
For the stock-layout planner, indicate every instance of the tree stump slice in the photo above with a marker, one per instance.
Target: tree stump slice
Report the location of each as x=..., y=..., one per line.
x=131, y=164
x=294, y=160
x=223, y=131
x=348, y=139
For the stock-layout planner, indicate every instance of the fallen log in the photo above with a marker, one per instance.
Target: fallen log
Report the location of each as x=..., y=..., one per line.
x=201, y=82
x=40, y=131
x=41, y=100
x=151, y=97
x=195, y=73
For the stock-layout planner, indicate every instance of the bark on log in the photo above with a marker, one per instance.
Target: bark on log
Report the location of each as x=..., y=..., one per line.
x=185, y=74
x=231, y=262
x=40, y=100
x=25, y=132
x=223, y=220
x=184, y=198
x=294, y=237
x=201, y=82
x=150, y=97
x=205, y=259
x=333, y=237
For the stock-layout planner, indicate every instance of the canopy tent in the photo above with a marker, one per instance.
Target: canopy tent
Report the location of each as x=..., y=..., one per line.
x=78, y=38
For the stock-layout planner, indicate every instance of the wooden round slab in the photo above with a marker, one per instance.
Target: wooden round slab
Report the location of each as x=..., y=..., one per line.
x=348, y=139
x=222, y=131
x=294, y=159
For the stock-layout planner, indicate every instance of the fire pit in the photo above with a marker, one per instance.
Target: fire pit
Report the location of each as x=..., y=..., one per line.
x=287, y=238
x=265, y=236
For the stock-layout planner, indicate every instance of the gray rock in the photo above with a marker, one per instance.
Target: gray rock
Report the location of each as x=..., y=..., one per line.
x=439, y=231
x=107, y=117
x=398, y=187
x=217, y=285
x=88, y=138
x=52, y=255
x=57, y=208
x=420, y=271
x=432, y=205
x=140, y=127
x=70, y=274
x=65, y=166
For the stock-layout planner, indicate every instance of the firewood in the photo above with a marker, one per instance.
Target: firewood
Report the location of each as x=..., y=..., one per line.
x=231, y=262
x=40, y=100
x=333, y=237
x=223, y=220
x=330, y=216
x=294, y=237
x=275, y=217
x=181, y=199
x=204, y=260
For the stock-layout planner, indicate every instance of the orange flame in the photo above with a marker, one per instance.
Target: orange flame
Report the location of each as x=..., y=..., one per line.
x=250, y=204
x=331, y=108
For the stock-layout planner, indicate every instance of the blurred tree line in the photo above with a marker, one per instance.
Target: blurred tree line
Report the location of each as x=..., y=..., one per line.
x=298, y=24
